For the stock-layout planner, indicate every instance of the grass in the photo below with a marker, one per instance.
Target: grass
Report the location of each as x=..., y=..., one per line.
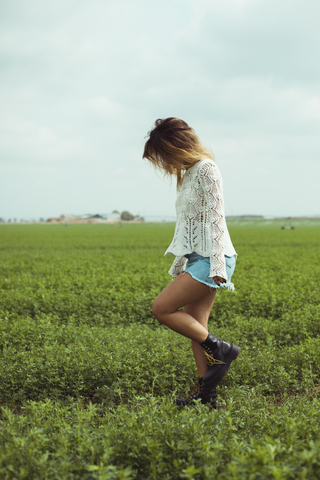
x=88, y=377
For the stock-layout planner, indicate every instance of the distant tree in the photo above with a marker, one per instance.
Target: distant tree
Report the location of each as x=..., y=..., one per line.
x=9, y=220
x=126, y=216
x=115, y=211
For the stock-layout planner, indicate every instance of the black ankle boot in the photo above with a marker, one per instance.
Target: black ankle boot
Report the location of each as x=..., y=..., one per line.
x=219, y=357
x=209, y=397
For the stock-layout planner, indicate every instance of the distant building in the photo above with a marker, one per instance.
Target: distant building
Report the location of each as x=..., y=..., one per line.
x=114, y=217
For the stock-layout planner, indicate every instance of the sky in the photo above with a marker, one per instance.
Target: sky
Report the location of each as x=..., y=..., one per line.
x=82, y=82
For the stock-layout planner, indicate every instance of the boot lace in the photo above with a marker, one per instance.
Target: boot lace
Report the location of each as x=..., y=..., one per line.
x=211, y=361
x=196, y=389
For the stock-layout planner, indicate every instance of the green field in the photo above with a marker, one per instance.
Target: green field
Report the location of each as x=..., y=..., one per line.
x=88, y=377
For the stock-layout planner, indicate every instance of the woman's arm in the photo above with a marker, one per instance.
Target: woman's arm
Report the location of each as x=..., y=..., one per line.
x=211, y=183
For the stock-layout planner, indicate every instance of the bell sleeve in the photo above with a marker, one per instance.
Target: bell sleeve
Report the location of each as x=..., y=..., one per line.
x=211, y=183
x=178, y=266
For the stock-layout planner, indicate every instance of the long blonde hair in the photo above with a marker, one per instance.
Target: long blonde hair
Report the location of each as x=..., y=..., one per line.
x=173, y=147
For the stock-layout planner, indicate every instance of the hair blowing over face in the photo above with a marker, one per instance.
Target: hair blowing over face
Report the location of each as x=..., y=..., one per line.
x=173, y=146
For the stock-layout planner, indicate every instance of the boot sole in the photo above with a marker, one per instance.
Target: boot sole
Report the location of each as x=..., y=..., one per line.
x=215, y=378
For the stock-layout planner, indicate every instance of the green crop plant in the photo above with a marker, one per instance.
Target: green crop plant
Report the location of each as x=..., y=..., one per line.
x=88, y=377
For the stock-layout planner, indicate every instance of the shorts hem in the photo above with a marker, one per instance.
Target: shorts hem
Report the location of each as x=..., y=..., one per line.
x=208, y=284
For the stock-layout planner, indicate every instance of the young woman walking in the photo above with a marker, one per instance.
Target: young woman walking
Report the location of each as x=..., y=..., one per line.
x=204, y=255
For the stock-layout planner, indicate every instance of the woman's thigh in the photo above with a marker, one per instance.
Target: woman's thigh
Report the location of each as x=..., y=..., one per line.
x=200, y=310
x=182, y=291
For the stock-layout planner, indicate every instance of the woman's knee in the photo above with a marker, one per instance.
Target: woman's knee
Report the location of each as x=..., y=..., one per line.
x=158, y=310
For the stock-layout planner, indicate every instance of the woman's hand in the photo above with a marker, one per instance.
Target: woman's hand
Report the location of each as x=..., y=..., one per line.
x=219, y=280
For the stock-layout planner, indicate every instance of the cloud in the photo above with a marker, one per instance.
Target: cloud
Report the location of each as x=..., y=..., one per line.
x=82, y=83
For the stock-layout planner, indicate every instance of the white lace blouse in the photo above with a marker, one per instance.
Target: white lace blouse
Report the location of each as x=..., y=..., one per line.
x=201, y=225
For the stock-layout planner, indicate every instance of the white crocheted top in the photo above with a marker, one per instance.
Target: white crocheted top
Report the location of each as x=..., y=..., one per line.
x=201, y=225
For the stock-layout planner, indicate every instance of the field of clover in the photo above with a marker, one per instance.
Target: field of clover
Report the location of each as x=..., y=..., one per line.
x=88, y=377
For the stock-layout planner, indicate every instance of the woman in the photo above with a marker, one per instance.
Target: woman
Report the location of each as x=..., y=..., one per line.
x=204, y=254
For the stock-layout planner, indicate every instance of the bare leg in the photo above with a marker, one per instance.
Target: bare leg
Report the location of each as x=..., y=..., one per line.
x=200, y=311
x=184, y=290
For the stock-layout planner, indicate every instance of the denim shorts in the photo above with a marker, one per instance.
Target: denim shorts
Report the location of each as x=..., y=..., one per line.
x=199, y=268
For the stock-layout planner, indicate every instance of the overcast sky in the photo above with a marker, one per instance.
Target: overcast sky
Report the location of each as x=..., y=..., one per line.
x=82, y=82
